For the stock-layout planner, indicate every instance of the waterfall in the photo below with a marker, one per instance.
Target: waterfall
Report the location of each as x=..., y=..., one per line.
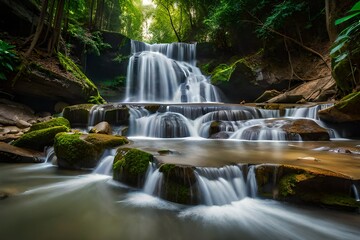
x=96, y=115
x=106, y=163
x=219, y=186
x=49, y=154
x=356, y=192
x=160, y=125
x=166, y=73
x=306, y=112
x=251, y=182
x=153, y=180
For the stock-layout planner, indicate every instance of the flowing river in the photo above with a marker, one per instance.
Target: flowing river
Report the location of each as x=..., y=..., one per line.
x=46, y=202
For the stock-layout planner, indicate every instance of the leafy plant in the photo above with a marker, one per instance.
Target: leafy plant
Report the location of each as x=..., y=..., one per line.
x=346, y=42
x=8, y=59
x=346, y=48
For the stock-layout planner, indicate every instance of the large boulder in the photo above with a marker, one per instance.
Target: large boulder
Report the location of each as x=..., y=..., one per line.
x=45, y=82
x=345, y=111
x=130, y=166
x=83, y=151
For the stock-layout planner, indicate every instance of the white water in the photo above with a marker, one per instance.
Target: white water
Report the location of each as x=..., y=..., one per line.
x=219, y=186
x=242, y=123
x=166, y=73
x=153, y=180
x=356, y=192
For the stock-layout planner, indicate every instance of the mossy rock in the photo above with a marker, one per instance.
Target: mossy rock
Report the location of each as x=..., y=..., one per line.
x=83, y=151
x=78, y=115
x=38, y=139
x=60, y=121
x=316, y=187
x=346, y=110
x=179, y=183
x=342, y=75
x=130, y=166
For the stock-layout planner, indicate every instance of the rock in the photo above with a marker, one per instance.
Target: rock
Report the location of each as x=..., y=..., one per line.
x=346, y=110
x=220, y=135
x=305, y=185
x=13, y=154
x=53, y=122
x=11, y=113
x=59, y=106
x=22, y=124
x=38, y=139
x=78, y=115
x=49, y=87
x=102, y=127
x=307, y=129
x=179, y=184
x=130, y=166
x=267, y=95
x=83, y=151
x=286, y=98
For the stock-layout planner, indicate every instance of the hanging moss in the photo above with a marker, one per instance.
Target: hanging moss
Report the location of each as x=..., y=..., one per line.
x=60, y=121
x=38, y=139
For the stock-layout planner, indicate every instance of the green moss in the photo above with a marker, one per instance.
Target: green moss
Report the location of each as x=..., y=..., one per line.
x=342, y=75
x=71, y=67
x=78, y=115
x=288, y=183
x=106, y=141
x=60, y=121
x=350, y=103
x=339, y=200
x=38, y=139
x=134, y=161
x=178, y=193
x=72, y=149
x=166, y=168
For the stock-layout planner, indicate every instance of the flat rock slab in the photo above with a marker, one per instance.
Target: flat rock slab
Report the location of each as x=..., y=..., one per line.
x=12, y=154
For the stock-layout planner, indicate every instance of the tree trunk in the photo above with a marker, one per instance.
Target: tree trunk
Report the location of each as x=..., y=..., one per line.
x=39, y=27
x=54, y=41
x=91, y=14
x=330, y=8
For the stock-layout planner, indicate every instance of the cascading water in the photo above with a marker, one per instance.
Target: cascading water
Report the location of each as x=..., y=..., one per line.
x=166, y=73
x=356, y=192
x=236, y=122
x=219, y=186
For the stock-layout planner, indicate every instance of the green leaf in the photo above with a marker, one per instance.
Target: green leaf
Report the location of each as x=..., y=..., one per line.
x=9, y=66
x=342, y=57
x=337, y=47
x=348, y=17
x=356, y=7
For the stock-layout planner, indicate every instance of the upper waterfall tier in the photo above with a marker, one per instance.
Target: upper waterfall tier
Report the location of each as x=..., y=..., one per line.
x=166, y=73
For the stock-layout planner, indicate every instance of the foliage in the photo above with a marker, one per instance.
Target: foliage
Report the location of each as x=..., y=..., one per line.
x=281, y=15
x=91, y=40
x=346, y=49
x=8, y=59
x=348, y=38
